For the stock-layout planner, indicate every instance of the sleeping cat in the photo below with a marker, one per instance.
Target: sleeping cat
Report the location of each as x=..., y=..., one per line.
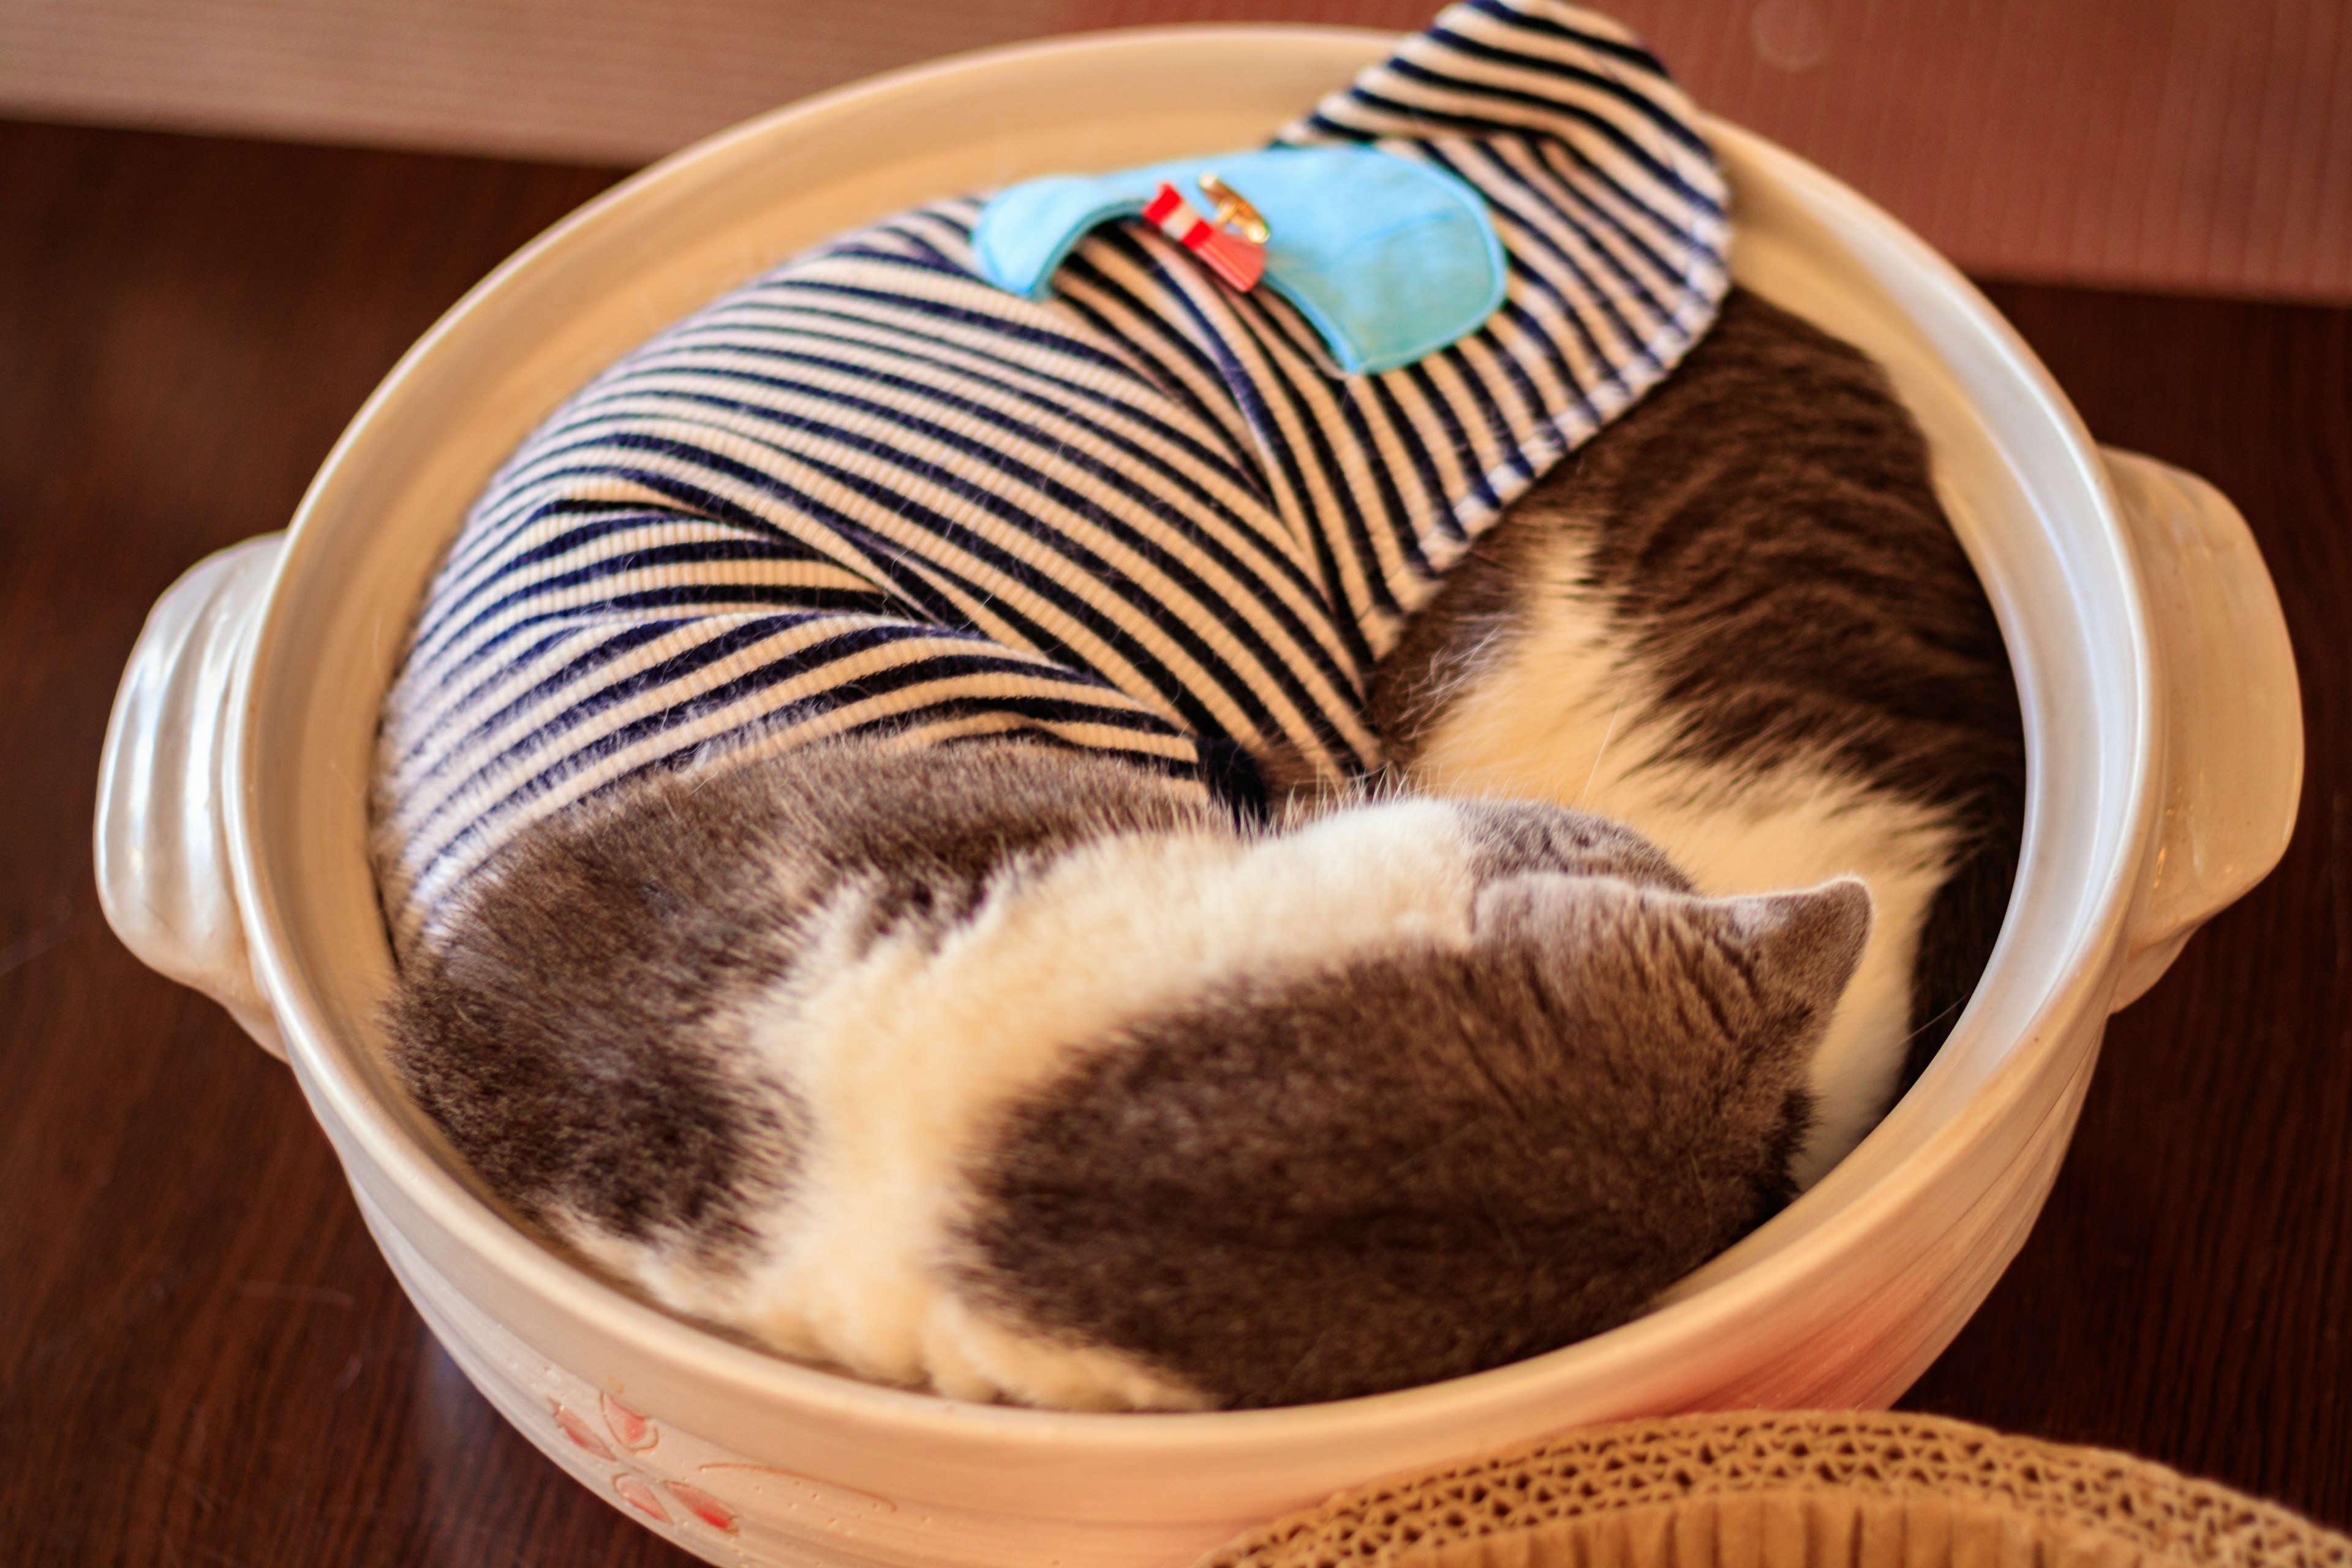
x=1008, y=1069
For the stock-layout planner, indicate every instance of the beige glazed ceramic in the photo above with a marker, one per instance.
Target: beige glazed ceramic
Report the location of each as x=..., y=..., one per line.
x=2166, y=753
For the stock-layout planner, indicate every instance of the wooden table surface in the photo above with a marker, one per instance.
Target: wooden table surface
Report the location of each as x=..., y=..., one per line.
x=202, y=1359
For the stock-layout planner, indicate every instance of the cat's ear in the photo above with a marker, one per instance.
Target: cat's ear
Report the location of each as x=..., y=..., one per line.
x=1804, y=946
x=1767, y=960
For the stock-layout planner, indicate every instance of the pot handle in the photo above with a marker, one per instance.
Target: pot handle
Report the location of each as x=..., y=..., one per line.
x=2232, y=711
x=163, y=870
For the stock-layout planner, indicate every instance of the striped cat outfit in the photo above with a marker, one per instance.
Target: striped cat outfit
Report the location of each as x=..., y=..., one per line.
x=870, y=492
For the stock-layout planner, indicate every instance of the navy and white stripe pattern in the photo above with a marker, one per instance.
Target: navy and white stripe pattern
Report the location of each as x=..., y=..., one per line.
x=869, y=492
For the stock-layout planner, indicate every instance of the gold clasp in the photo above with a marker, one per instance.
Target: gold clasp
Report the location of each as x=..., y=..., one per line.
x=1234, y=212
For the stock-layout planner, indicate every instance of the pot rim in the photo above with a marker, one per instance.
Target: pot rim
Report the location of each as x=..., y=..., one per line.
x=351, y=1111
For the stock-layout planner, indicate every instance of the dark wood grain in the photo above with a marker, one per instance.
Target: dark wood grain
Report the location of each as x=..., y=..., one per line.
x=203, y=1360
x=2190, y=144
x=2185, y=1294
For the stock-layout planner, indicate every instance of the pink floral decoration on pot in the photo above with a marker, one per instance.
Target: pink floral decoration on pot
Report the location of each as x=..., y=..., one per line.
x=635, y=1482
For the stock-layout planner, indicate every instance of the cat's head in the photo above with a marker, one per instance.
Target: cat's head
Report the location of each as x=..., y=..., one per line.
x=1003, y=1070
x=1417, y=1089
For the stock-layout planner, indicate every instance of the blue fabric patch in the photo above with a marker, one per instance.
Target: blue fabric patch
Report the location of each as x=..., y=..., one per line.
x=1389, y=258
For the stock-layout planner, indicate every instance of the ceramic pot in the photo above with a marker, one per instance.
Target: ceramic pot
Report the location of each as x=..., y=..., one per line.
x=2163, y=730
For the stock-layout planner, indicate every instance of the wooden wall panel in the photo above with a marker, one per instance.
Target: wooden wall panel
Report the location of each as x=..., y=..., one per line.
x=2193, y=144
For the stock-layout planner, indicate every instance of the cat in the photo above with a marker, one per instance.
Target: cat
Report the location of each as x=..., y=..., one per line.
x=1004, y=1069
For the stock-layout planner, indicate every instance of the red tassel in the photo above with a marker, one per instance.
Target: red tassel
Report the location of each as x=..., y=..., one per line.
x=1239, y=262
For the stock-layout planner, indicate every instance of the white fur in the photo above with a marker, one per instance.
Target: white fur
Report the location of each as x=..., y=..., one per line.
x=904, y=1057
x=1553, y=720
